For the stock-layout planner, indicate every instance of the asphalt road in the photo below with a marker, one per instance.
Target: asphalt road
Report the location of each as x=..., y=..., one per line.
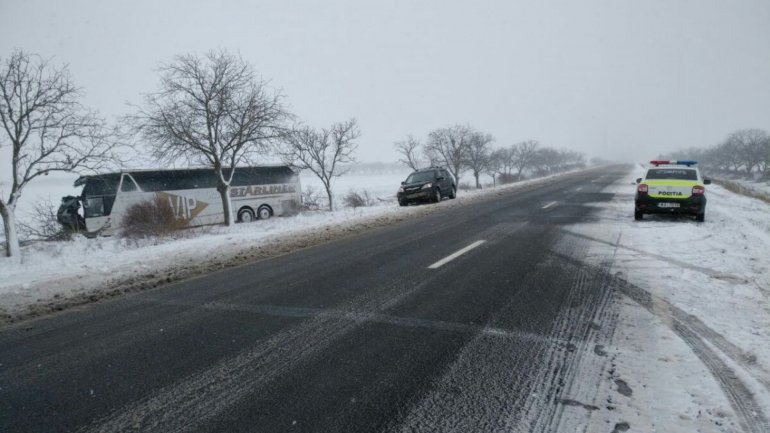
x=466, y=319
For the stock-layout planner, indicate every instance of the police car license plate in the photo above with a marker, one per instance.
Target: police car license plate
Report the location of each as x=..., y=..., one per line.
x=668, y=204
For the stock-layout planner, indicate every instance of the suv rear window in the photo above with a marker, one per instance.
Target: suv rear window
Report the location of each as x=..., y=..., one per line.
x=672, y=173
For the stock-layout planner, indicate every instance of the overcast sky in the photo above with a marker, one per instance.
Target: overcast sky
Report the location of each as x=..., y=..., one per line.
x=625, y=80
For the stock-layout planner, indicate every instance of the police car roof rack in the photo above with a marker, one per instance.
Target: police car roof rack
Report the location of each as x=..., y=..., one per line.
x=687, y=162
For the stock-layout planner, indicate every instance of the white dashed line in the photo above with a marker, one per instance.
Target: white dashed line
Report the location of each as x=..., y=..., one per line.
x=549, y=205
x=455, y=255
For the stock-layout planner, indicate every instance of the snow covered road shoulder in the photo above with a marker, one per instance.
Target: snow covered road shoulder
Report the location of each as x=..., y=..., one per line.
x=697, y=355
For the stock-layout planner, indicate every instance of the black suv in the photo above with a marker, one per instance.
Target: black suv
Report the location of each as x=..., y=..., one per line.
x=428, y=184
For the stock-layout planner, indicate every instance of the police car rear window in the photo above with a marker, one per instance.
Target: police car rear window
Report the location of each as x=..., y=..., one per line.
x=671, y=173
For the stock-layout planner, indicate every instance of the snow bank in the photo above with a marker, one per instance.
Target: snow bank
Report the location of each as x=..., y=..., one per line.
x=756, y=189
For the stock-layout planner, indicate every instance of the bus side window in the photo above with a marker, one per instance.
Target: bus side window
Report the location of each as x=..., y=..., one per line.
x=128, y=184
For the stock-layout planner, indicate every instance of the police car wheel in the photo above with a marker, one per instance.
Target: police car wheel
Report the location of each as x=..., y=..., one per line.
x=638, y=215
x=700, y=217
x=246, y=215
x=264, y=212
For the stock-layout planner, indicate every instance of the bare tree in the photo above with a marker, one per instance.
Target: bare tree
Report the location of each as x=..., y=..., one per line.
x=507, y=157
x=41, y=223
x=524, y=156
x=495, y=164
x=730, y=151
x=214, y=111
x=750, y=147
x=547, y=161
x=408, y=149
x=571, y=159
x=322, y=152
x=764, y=166
x=46, y=129
x=449, y=147
x=477, y=154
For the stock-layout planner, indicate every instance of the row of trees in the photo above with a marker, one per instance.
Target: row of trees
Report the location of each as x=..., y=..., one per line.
x=209, y=110
x=462, y=148
x=743, y=152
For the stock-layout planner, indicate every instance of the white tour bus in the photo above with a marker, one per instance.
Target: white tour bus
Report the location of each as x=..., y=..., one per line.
x=255, y=193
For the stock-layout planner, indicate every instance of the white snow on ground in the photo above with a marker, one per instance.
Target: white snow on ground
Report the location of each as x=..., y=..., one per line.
x=55, y=271
x=760, y=186
x=718, y=272
x=757, y=188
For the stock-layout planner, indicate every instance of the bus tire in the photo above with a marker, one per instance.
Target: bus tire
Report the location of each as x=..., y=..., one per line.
x=246, y=215
x=264, y=212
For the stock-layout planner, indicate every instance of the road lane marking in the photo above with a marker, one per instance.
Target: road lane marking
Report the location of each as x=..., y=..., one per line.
x=455, y=255
x=549, y=205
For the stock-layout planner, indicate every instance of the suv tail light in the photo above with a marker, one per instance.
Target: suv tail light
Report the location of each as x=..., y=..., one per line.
x=642, y=188
x=698, y=190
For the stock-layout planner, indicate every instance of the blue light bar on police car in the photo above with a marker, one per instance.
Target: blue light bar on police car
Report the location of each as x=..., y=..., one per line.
x=687, y=162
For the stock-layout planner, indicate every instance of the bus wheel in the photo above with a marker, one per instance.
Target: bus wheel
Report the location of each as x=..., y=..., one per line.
x=246, y=215
x=264, y=212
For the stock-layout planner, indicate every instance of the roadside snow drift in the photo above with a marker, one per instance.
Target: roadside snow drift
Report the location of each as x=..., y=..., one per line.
x=696, y=356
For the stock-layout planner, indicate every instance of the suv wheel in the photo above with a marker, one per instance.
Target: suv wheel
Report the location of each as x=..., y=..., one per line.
x=452, y=193
x=436, y=195
x=638, y=215
x=700, y=217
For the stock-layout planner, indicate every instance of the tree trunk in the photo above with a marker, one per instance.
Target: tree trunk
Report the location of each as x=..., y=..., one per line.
x=331, y=199
x=478, y=184
x=12, y=248
x=224, y=193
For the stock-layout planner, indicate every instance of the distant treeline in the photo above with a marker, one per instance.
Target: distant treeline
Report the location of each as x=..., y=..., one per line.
x=744, y=153
x=461, y=149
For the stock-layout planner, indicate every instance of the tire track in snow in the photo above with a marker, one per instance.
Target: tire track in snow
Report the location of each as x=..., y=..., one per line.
x=494, y=385
x=730, y=349
x=695, y=333
x=589, y=327
x=578, y=325
x=750, y=413
x=707, y=271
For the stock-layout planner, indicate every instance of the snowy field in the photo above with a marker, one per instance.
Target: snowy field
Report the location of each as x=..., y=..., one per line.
x=381, y=187
x=710, y=283
x=761, y=188
x=758, y=186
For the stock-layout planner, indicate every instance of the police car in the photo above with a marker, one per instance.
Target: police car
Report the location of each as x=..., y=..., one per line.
x=671, y=187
